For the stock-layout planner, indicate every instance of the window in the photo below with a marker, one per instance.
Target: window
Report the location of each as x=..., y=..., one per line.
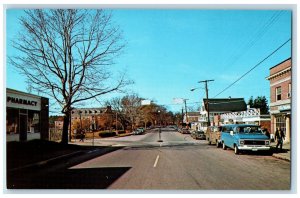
x=12, y=120
x=280, y=123
x=33, y=124
x=226, y=129
x=290, y=91
x=278, y=93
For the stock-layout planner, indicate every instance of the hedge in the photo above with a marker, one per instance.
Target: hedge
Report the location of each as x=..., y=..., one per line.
x=107, y=134
x=121, y=132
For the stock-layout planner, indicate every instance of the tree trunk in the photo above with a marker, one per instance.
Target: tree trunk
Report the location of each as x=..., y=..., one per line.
x=65, y=131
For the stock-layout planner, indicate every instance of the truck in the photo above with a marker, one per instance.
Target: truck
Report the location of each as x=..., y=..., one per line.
x=244, y=137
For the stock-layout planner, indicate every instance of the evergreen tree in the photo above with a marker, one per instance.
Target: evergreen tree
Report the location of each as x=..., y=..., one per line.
x=250, y=102
x=262, y=103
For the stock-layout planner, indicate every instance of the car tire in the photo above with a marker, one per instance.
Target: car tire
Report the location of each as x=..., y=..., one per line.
x=224, y=147
x=217, y=144
x=236, y=150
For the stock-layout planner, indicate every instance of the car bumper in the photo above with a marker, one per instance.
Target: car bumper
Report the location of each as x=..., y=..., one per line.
x=254, y=148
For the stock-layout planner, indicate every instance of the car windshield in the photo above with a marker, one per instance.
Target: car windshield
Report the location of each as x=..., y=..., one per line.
x=248, y=129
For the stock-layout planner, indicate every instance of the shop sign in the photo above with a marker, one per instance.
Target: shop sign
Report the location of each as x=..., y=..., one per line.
x=284, y=107
x=23, y=102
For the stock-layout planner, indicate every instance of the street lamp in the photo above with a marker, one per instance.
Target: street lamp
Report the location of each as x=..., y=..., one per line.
x=193, y=89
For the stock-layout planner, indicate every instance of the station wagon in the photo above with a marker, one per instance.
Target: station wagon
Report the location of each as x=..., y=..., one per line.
x=213, y=135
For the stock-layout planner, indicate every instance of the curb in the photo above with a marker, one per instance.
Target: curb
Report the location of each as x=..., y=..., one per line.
x=122, y=135
x=282, y=157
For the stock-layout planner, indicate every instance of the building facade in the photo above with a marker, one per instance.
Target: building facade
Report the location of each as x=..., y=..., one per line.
x=91, y=118
x=192, y=120
x=218, y=106
x=250, y=116
x=281, y=94
x=27, y=116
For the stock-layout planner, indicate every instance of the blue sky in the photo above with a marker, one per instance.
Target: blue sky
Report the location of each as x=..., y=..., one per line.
x=169, y=51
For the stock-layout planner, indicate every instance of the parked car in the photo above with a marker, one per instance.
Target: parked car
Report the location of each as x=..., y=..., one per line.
x=192, y=132
x=198, y=135
x=138, y=131
x=141, y=129
x=213, y=135
x=185, y=131
x=173, y=127
x=244, y=137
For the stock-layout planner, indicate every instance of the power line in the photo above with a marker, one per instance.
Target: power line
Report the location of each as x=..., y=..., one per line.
x=253, y=67
x=244, y=47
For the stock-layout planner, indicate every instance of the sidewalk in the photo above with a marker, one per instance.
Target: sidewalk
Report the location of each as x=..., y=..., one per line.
x=285, y=154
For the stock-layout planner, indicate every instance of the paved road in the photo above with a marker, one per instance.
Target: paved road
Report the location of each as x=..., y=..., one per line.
x=183, y=163
x=140, y=162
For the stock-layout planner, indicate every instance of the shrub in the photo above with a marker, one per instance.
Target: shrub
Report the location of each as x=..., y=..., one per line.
x=121, y=132
x=107, y=134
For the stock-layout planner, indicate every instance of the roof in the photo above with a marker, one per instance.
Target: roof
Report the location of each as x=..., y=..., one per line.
x=193, y=113
x=14, y=91
x=226, y=104
x=86, y=111
x=239, y=125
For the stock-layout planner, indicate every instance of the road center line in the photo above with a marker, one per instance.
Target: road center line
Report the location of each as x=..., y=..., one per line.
x=155, y=163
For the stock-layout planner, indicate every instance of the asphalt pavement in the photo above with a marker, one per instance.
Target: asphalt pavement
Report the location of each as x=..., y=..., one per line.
x=141, y=162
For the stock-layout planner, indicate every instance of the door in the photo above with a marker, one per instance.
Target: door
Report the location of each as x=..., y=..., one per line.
x=23, y=127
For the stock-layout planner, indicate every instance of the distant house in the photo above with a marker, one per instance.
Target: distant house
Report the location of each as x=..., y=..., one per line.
x=92, y=118
x=281, y=93
x=192, y=119
x=78, y=113
x=218, y=106
x=58, y=124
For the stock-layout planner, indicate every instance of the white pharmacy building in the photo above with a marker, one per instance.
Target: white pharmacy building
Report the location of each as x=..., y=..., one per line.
x=27, y=116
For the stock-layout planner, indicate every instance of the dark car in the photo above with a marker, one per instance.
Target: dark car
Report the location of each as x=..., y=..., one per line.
x=198, y=135
x=185, y=131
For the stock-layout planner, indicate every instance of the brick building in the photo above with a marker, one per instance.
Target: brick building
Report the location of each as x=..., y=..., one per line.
x=280, y=94
x=92, y=118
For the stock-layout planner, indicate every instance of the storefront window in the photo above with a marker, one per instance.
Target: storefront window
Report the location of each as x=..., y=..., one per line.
x=280, y=123
x=33, y=125
x=12, y=121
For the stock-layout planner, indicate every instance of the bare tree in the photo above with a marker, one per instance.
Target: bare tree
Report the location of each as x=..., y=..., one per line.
x=116, y=105
x=131, y=105
x=66, y=54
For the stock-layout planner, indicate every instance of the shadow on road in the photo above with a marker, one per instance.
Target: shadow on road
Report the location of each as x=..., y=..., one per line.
x=91, y=178
x=179, y=146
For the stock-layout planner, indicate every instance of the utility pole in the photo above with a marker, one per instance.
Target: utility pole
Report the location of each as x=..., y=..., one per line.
x=187, y=120
x=182, y=117
x=207, y=103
